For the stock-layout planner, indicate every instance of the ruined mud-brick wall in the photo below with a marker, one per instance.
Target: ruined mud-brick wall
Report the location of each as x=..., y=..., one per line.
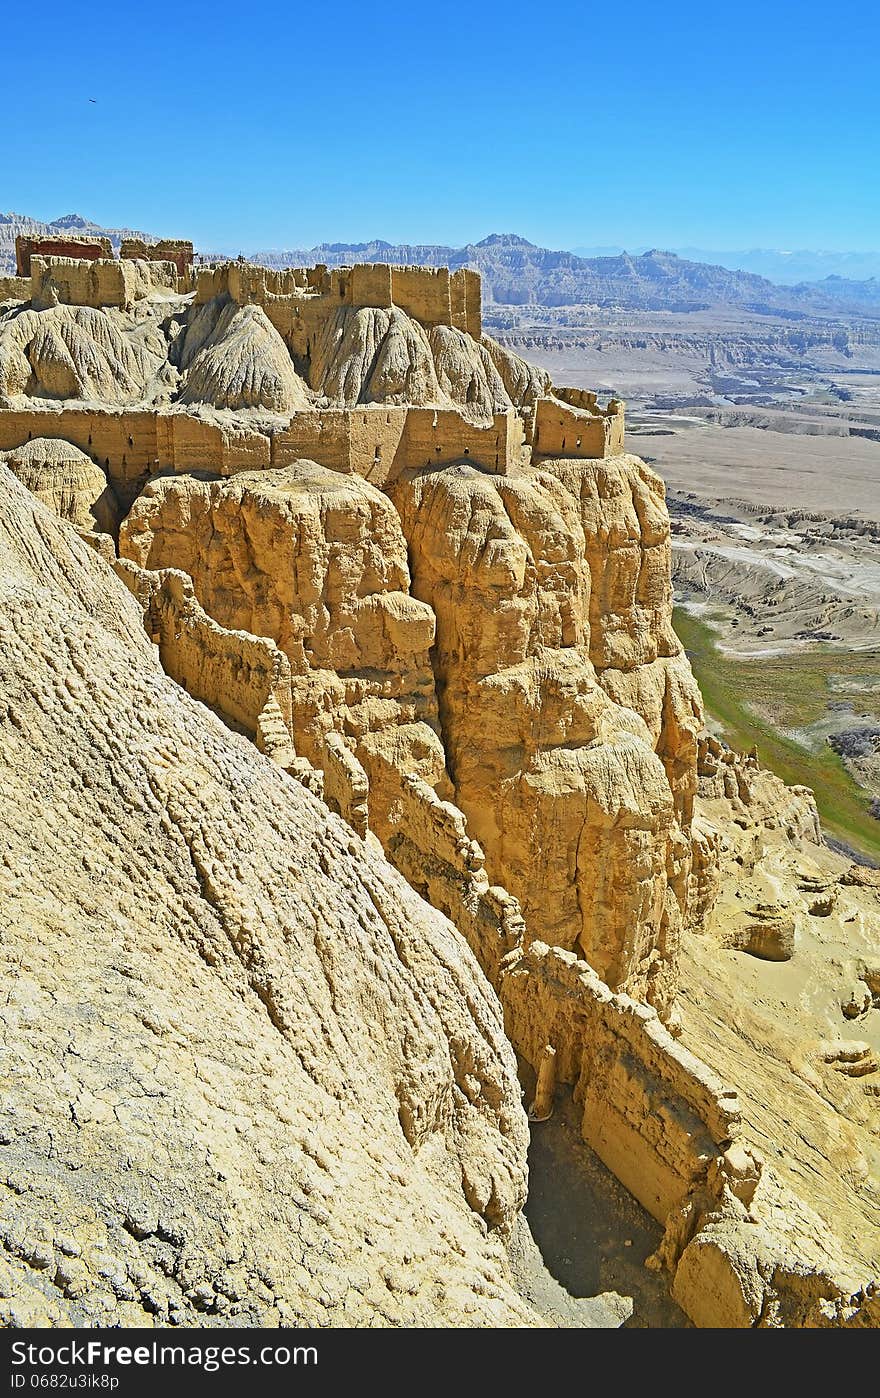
x=223, y=444
x=379, y=442
x=246, y=282
x=581, y=429
x=440, y=436
x=29, y=245
x=653, y=1113
x=326, y=437
x=378, y=438
x=99, y=283
x=123, y=441
x=375, y=442
x=132, y=444
x=466, y=298
x=431, y=295
x=176, y=250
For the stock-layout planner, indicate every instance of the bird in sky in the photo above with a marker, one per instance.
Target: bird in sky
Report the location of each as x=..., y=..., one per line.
x=94, y=99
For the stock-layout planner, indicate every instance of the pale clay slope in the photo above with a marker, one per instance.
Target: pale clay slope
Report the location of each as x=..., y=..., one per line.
x=242, y=362
x=808, y=1077
x=227, y=356
x=249, y=1075
x=80, y=353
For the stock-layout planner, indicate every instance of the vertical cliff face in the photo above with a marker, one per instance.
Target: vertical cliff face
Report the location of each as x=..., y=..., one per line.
x=529, y=671
x=638, y=657
x=568, y=710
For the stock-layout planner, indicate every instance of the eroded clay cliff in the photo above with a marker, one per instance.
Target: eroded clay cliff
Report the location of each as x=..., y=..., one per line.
x=251, y=1077
x=436, y=595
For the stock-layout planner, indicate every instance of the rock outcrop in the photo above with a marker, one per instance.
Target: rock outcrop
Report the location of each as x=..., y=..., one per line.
x=434, y=593
x=66, y=480
x=580, y=802
x=78, y=352
x=251, y=1077
x=569, y=713
x=317, y=561
x=234, y=358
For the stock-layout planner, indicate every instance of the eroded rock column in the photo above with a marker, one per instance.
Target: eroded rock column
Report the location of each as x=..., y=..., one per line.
x=559, y=780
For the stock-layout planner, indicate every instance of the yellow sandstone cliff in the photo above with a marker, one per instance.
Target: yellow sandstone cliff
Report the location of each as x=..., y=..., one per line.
x=435, y=591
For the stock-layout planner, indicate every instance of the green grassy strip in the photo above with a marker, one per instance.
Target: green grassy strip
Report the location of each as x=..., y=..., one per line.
x=749, y=697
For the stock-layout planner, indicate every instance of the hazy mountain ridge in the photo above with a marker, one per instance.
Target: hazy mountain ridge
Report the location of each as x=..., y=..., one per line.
x=785, y=268
x=792, y=268
x=516, y=272
x=866, y=293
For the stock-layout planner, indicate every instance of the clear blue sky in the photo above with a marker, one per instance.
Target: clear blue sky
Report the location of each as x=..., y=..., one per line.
x=282, y=125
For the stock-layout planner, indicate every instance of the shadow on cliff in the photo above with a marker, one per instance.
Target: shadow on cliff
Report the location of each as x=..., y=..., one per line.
x=592, y=1234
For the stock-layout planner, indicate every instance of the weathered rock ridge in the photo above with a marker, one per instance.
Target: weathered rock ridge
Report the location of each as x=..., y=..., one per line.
x=250, y=1076
x=560, y=756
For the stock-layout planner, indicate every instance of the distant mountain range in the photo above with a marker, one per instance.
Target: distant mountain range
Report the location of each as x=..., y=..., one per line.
x=786, y=268
x=517, y=273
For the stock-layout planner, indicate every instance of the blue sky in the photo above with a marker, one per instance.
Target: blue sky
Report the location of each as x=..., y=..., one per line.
x=282, y=125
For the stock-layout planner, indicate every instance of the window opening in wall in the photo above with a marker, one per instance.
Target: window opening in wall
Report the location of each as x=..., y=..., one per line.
x=577, y=443
x=467, y=451
x=563, y=444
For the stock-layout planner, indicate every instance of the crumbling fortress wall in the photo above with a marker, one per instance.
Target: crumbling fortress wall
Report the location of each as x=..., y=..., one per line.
x=375, y=443
x=431, y=295
x=176, y=250
x=15, y=288
x=300, y=304
x=570, y=423
x=97, y=283
x=79, y=248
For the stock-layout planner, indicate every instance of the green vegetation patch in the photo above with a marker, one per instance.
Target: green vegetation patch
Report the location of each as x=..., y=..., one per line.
x=752, y=700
